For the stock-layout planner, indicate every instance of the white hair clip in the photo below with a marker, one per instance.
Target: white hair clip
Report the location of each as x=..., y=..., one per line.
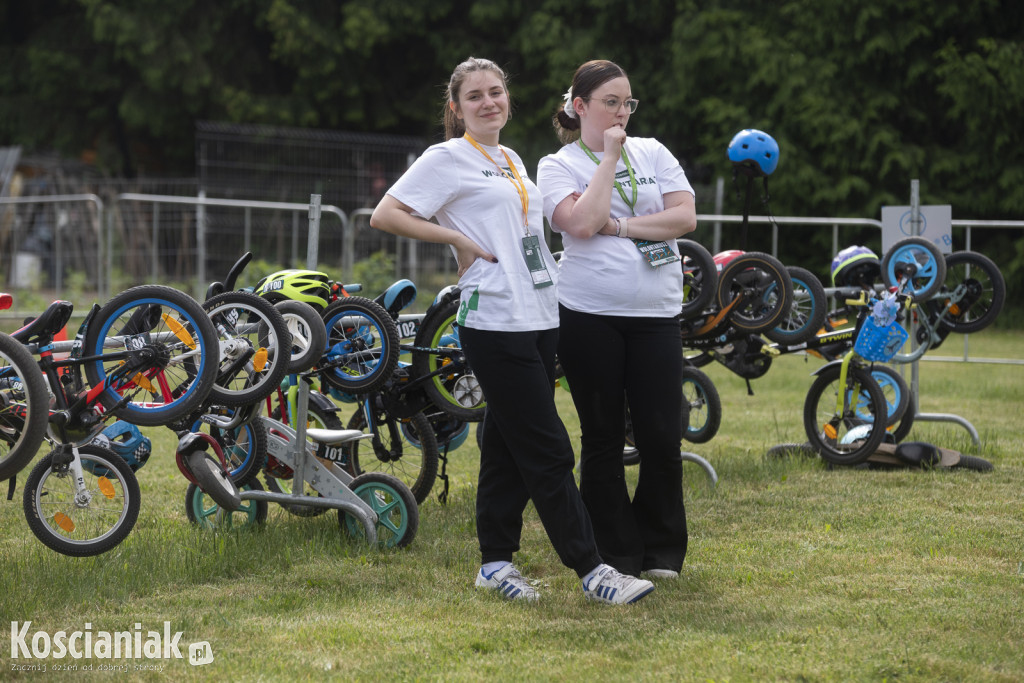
x=568, y=108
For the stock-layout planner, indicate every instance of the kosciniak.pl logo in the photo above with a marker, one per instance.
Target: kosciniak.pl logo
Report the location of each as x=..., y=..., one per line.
x=137, y=643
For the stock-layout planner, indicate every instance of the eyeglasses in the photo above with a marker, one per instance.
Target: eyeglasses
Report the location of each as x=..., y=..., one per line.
x=613, y=104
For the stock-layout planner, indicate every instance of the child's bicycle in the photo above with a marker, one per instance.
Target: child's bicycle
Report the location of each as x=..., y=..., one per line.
x=847, y=425
x=23, y=406
x=149, y=355
x=375, y=506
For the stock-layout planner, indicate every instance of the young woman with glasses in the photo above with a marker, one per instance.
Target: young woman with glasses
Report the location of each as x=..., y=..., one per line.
x=620, y=203
x=489, y=211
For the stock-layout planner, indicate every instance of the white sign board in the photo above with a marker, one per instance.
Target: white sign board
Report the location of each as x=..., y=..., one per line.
x=936, y=226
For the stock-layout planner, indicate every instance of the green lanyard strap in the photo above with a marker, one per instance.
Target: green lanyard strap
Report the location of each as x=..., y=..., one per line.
x=618, y=185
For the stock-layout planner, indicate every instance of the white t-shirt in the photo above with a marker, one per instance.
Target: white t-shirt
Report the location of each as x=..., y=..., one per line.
x=608, y=275
x=464, y=190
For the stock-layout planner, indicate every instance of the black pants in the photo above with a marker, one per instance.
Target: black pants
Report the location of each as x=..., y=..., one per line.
x=526, y=451
x=609, y=360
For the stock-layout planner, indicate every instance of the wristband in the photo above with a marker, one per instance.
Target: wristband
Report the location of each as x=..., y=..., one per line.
x=623, y=226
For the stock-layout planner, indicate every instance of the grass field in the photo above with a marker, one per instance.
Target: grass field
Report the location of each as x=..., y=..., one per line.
x=794, y=571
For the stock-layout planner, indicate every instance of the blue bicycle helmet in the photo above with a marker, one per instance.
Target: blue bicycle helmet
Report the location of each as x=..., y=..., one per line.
x=755, y=150
x=855, y=266
x=127, y=441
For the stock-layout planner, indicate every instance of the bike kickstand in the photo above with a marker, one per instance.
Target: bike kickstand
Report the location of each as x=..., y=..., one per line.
x=443, y=476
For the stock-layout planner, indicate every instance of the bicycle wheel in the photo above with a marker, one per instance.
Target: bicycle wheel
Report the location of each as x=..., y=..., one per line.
x=86, y=523
x=917, y=262
x=696, y=357
x=204, y=512
x=244, y=447
x=983, y=290
x=211, y=478
x=806, y=315
x=308, y=334
x=894, y=390
x=903, y=426
x=154, y=348
x=705, y=406
x=24, y=407
x=700, y=277
x=398, y=516
x=835, y=423
x=362, y=345
x=390, y=451
x=255, y=349
x=973, y=462
x=452, y=386
x=762, y=287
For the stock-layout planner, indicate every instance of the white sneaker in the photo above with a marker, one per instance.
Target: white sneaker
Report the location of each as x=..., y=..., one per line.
x=610, y=587
x=509, y=582
x=661, y=573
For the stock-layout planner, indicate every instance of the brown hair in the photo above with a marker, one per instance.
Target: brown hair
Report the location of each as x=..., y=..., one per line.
x=453, y=125
x=588, y=78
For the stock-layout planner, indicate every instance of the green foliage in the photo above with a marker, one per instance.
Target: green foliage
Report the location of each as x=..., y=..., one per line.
x=374, y=273
x=862, y=97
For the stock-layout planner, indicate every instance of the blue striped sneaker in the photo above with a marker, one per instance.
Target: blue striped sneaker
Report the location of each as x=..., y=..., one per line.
x=509, y=582
x=612, y=588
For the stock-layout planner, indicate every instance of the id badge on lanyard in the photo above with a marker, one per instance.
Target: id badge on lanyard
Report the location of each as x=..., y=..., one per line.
x=535, y=262
x=656, y=253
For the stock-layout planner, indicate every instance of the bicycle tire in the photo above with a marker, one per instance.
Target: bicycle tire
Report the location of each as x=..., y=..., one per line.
x=185, y=366
x=244, y=447
x=921, y=261
x=700, y=277
x=985, y=286
x=894, y=390
x=695, y=357
x=398, y=514
x=202, y=511
x=973, y=462
x=906, y=422
x=765, y=285
x=807, y=313
x=705, y=406
x=390, y=451
x=456, y=392
x=362, y=345
x=24, y=407
x=309, y=336
x=59, y=518
x=213, y=480
x=255, y=349
x=794, y=450
x=845, y=438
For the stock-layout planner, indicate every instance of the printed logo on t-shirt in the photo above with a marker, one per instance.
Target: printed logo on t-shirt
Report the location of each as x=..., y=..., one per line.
x=488, y=173
x=467, y=306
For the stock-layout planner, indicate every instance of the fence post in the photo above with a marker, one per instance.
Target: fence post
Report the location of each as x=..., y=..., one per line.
x=313, y=240
x=200, y=243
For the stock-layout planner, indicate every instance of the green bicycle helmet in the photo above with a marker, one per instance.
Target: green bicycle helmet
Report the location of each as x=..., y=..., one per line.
x=855, y=266
x=309, y=286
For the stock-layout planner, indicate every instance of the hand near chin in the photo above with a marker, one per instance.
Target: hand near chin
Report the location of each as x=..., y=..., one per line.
x=614, y=139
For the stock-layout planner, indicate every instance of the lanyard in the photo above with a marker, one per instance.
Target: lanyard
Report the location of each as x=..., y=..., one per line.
x=517, y=180
x=618, y=186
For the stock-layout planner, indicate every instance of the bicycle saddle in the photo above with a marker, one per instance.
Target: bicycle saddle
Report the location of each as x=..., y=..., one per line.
x=193, y=442
x=51, y=321
x=918, y=453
